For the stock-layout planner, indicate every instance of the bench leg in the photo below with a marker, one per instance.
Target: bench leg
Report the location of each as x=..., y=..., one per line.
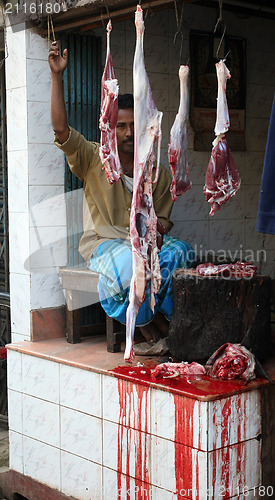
x=113, y=337
x=73, y=326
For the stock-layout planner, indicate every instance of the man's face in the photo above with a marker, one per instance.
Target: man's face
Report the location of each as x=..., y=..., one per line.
x=125, y=131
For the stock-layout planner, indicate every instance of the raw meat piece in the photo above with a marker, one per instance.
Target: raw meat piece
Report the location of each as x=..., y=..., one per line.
x=231, y=361
x=236, y=270
x=177, y=146
x=108, y=117
x=172, y=370
x=222, y=179
x=143, y=220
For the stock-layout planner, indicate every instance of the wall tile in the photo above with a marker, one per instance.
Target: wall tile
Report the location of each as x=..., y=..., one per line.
x=82, y=391
x=40, y=378
x=41, y=420
x=194, y=232
x=268, y=266
x=15, y=411
x=121, y=78
x=42, y=462
x=39, y=123
x=48, y=247
x=20, y=303
x=129, y=81
x=46, y=165
x=14, y=370
x=17, y=119
x=256, y=133
x=163, y=463
x=226, y=235
x=259, y=100
x=156, y=23
x=15, y=62
x=47, y=206
x=121, y=486
x=253, y=168
x=174, y=53
x=81, y=434
x=18, y=181
x=46, y=289
x=126, y=402
x=80, y=477
x=36, y=46
x=259, y=69
x=17, y=337
x=16, y=451
x=38, y=81
x=235, y=419
x=159, y=87
x=126, y=450
x=162, y=414
x=191, y=205
x=235, y=466
x=255, y=240
x=18, y=242
x=252, y=194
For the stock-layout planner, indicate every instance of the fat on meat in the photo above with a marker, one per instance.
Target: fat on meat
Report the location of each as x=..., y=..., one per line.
x=173, y=370
x=177, y=145
x=108, y=151
x=222, y=179
x=143, y=220
x=234, y=270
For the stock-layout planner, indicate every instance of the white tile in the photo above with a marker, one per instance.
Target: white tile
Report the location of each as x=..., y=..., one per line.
x=191, y=205
x=194, y=232
x=46, y=165
x=120, y=486
x=252, y=194
x=80, y=477
x=162, y=414
x=16, y=61
x=235, y=419
x=120, y=75
x=41, y=420
x=256, y=133
x=40, y=378
x=226, y=235
x=20, y=303
x=14, y=370
x=39, y=123
x=159, y=86
x=81, y=434
x=15, y=412
x=17, y=119
x=18, y=242
x=42, y=462
x=163, y=463
x=47, y=206
x=48, y=247
x=46, y=289
x=16, y=451
x=156, y=54
x=236, y=466
x=268, y=266
x=18, y=181
x=126, y=402
x=259, y=100
x=38, y=80
x=36, y=46
x=156, y=23
x=17, y=337
x=80, y=390
x=257, y=241
x=253, y=168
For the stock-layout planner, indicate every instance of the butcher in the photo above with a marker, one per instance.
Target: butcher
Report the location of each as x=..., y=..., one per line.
x=105, y=244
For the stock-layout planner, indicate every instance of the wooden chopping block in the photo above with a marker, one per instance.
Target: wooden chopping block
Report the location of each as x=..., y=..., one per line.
x=210, y=311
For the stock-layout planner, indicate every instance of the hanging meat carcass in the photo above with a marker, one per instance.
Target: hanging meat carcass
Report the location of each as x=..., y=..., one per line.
x=222, y=179
x=108, y=117
x=143, y=220
x=177, y=146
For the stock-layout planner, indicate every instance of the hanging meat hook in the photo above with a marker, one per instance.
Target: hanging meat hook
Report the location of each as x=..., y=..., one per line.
x=222, y=38
x=108, y=13
x=181, y=43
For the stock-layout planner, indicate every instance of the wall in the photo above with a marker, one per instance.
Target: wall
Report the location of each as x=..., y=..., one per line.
x=37, y=222
x=233, y=228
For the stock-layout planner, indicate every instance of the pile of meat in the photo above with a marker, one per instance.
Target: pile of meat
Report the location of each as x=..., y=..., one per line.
x=172, y=370
x=222, y=179
x=234, y=270
x=231, y=361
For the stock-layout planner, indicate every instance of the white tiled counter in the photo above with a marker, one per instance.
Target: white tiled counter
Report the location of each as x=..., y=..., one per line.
x=96, y=434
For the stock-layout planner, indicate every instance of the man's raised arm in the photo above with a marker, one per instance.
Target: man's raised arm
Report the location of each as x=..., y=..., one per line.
x=57, y=65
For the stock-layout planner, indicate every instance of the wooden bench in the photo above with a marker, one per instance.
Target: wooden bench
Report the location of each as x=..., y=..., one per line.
x=80, y=289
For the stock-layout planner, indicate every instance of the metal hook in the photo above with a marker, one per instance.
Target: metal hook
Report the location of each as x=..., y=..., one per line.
x=181, y=43
x=221, y=40
x=107, y=10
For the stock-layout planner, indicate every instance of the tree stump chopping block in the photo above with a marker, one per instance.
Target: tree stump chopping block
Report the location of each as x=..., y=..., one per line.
x=210, y=311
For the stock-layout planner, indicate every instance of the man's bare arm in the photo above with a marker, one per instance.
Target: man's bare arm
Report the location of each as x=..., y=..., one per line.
x=57, y=65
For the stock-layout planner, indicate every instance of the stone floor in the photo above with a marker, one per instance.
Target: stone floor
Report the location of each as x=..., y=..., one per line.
x=4, y=445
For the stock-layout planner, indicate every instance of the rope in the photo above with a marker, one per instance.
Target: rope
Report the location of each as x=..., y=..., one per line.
x=49, y=35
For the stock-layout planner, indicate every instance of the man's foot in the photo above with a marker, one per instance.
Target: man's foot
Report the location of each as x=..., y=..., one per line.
x=150, y=332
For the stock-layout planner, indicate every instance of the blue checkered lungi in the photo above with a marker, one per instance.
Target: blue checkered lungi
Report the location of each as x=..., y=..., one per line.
x=113, y=261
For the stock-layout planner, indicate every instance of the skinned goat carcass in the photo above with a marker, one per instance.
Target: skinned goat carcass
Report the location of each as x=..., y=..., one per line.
x=143, y=220
x=108, y=118
x=177, y=146
x=222, y=179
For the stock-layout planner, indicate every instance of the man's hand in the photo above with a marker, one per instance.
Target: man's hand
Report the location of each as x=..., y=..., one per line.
x=161, y=230
x=57, y=63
